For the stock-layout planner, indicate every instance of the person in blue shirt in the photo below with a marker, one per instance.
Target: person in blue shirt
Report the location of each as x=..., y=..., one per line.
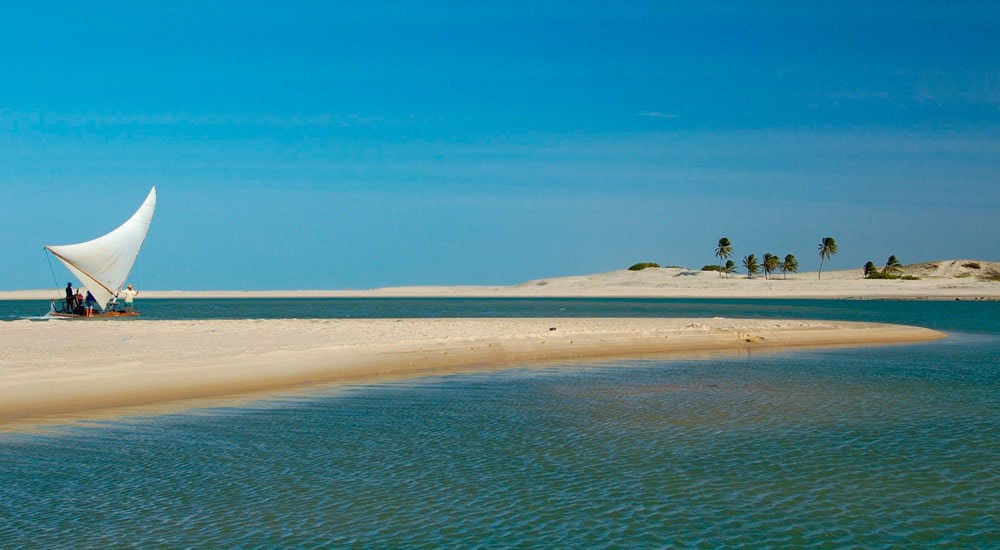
x=91, y=304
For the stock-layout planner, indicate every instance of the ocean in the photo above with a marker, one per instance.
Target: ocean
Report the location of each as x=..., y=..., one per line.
x=869, y=447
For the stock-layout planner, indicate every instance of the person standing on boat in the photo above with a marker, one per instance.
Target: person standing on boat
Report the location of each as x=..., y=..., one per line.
x=130, y=295
x=70, y=298
x=91, y=303
x=78, y=299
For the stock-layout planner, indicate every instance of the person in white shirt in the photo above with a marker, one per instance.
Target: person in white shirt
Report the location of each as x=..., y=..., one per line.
x=130, y=295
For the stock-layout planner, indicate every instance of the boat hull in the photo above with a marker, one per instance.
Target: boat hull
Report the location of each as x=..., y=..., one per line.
x=96, y=315
x=62, y=312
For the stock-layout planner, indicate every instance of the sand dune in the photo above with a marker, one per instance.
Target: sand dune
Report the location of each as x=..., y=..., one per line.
x=937, y=280
x=949, y=279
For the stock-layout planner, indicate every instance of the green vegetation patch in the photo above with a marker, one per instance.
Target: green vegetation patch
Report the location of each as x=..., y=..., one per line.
x=643, y=265
x=711, y=268
x=882, y=275
x=991, y=275
x=972, y=265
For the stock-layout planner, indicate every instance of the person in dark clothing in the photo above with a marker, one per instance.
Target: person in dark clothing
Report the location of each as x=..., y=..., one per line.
x=70, y=298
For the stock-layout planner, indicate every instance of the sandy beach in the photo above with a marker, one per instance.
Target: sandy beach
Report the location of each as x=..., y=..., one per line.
x=67, y=367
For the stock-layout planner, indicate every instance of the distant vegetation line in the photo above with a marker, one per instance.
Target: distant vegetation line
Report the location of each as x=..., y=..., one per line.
x=769, y=264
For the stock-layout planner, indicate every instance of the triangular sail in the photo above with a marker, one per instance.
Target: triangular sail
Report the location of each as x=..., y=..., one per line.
x=103, y=264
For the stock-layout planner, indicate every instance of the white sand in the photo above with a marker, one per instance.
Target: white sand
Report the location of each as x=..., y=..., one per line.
x=948, y=279
x=57, y=367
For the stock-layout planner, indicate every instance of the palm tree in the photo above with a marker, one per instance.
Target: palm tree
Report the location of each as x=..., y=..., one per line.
x=729, y=268
x=827, y=248
x=771, y=264
x=870, y=269
x=790, y=264
x=892, y=265
x=751, y=265
x=723, y=251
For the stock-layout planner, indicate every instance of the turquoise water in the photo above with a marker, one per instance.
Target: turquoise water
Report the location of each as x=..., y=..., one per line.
x=872, y=447
x=944, y=315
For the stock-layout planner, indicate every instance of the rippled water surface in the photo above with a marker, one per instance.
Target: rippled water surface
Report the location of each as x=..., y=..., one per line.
x=872, y=447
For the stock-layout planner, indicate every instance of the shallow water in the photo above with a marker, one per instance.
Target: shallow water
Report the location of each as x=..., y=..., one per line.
x=873, y=447
x=942, y=315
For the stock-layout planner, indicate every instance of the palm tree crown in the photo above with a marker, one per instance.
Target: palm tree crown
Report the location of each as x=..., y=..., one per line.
x=771, y=264
x=827, y=248
x=723, y=251
x=892, y=265
x=790, y=264
x=729, y=268
x=751, y=265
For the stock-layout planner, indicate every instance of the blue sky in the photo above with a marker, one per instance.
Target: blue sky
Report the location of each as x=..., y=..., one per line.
x=334, y=145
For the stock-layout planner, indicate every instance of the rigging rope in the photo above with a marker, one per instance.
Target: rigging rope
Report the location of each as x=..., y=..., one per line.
x=49, y=258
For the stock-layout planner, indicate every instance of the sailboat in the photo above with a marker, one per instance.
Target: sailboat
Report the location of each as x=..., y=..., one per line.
x=102, y=265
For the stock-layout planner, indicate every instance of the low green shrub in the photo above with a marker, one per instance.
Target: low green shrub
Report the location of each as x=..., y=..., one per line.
x=882, y=275
x=891, y=276
x=972, y=265
x=711, y=268
x=643, y=265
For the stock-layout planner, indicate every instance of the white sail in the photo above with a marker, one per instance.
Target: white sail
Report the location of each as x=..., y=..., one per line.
x=103, y=264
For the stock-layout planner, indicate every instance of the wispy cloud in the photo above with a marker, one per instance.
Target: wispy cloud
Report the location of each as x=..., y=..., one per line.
x=858, y=94
x=42, y=120
x=657, y=114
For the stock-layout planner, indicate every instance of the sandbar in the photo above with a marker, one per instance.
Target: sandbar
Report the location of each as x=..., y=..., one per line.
x=58, y=367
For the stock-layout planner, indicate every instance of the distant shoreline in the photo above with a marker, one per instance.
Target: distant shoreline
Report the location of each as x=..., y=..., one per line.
x=402, y=293
x=941, y=280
